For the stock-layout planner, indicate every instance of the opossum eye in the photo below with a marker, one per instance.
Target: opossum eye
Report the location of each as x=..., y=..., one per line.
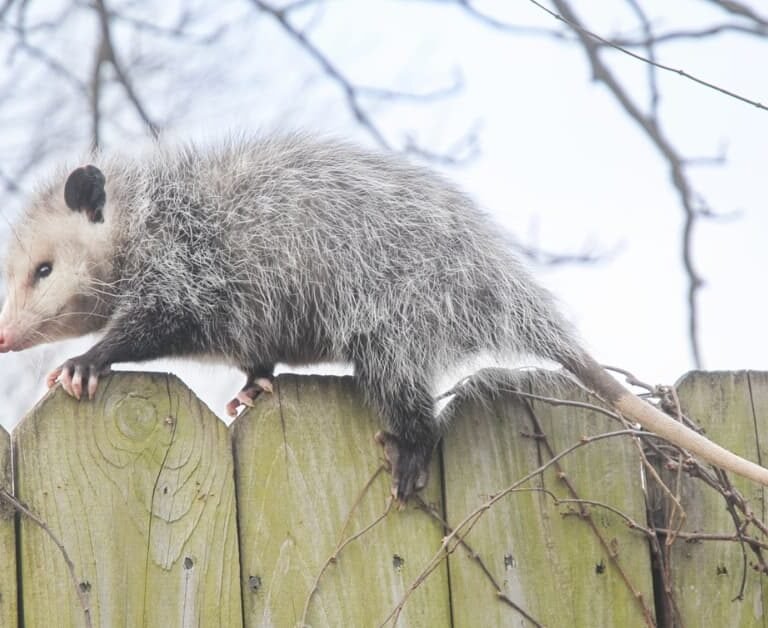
x=43, y=270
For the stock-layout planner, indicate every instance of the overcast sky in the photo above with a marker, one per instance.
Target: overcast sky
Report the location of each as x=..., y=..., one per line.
x=560, y=166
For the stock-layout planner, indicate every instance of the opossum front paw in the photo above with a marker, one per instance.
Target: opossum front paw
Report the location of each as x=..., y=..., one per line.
x=408, y=464
x=248, y=393
x=76, y=373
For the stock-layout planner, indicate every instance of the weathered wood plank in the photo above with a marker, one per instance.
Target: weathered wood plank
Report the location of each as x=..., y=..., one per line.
x=546, y=558
x=138, y=487
x=303, y=455
x=706, y=576
x=8, y=609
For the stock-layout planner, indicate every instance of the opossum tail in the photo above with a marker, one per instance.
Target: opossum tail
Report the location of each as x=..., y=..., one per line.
x=487, y=384
x=596, y=377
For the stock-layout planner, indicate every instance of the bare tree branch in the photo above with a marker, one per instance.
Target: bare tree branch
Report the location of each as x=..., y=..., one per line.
x=678, y=35
x=57, y=68
x=122, y=76
x=739, y=8
x=462, y=151
x=95, y=93
x=426, y=96
x=540, y=256
x=4, y=8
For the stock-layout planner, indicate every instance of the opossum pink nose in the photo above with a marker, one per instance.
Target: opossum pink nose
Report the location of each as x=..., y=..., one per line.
x=6, y=341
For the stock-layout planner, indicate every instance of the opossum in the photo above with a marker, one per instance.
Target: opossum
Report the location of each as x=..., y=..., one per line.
x=294, y=250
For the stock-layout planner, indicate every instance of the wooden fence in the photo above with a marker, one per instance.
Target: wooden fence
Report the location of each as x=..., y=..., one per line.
x=144, y=509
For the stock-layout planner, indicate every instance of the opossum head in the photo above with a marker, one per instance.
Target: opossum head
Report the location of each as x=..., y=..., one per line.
x=59, y=264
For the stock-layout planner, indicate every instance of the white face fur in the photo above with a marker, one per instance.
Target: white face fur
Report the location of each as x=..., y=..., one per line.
x=56, y=264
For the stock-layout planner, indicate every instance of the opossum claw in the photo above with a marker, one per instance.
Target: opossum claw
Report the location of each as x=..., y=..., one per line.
x=248, y=393
x=77, y=385
x=245, y=398
x=66, y=382
x=77, y=377
x=408, y=465
x=93, y=382
x=53, y=377
x=232, y=407
x=242, y=399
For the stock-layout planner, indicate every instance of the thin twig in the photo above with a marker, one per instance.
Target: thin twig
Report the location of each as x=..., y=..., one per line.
x=121, y=74
x=343, y=542
x=478, y=561
x=82, y=594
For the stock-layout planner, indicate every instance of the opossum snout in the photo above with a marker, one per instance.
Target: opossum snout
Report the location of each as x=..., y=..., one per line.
x=15, y=333
x=9, y=340
x=6, y=333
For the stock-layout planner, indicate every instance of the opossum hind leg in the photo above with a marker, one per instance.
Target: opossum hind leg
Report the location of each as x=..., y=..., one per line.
x=409, y=466
x=409, y=445
x=258, y=380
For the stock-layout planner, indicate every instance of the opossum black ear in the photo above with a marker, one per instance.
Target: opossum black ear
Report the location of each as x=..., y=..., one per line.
x=84, y=191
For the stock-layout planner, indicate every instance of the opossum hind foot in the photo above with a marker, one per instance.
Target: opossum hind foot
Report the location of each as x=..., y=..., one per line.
x=246, y=395
x=409, y=466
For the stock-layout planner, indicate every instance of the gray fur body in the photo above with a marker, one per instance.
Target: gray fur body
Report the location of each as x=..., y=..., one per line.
x=292, y=250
